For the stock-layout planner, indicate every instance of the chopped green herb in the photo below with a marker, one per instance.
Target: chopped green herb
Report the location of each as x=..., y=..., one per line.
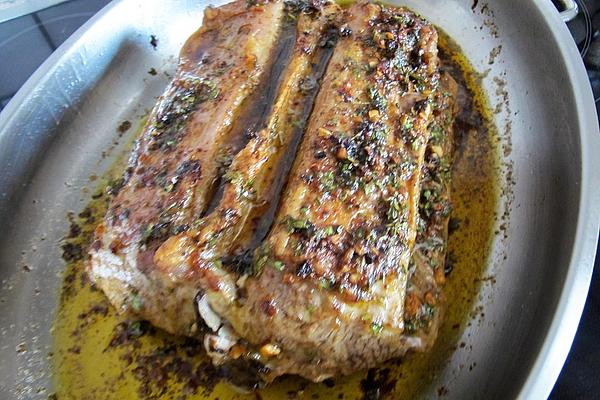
x=244, y=187
x=436, y=134
x=297, y=247
x=370, y=188
x=325, y=283
x=294, y=224
x=376, y=98
x=262, y=257
x=212, y=240
x=114, y=185
x=327, y=180
x=135, y=329
x=233, y=177
x=159, y=230
x=415, y=144
x=171, y=183
x=172, y=118
x=410, y=326
x=428, y=311
x=395, y=217
x=376, y=327
x=330, y=231
x=224, y=159
x=136, y=302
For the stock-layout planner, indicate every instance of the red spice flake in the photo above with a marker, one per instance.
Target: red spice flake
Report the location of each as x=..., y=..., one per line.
x=267, y=305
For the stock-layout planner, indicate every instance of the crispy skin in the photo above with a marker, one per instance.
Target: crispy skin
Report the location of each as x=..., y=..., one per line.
x=175, y=163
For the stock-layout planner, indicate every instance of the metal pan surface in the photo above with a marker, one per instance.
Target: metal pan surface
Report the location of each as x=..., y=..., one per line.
x=61, y=128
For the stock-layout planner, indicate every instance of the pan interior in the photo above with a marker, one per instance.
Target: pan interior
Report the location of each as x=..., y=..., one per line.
x=61, y=129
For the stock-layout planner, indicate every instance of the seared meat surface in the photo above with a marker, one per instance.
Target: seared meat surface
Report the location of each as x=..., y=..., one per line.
x=175, y=163
x=424, y=304
x=298, y=259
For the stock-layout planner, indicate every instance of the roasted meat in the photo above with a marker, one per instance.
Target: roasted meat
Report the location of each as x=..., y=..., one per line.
x=296, y=259
x=424, y=304
x=175, y=163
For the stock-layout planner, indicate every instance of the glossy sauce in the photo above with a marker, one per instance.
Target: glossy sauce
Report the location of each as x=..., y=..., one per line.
x=101, y=355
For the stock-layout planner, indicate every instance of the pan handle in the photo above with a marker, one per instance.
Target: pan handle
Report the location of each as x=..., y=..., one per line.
x=568, y=9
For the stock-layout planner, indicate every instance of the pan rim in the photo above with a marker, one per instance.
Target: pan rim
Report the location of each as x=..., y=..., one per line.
x=559, y=336
x=561, y=333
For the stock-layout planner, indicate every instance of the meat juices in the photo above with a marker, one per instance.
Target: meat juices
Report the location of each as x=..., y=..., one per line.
x=337, y=284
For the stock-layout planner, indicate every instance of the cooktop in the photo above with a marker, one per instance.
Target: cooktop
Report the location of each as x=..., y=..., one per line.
x=31, y=30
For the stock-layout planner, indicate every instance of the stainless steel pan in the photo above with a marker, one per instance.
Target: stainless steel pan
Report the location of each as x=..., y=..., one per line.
x=54, y=131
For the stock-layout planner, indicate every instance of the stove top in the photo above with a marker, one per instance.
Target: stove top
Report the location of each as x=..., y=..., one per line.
x=26, y=41
x=585, y=29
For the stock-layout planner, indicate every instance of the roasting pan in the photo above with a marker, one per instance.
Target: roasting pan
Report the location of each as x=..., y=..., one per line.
x=60, y=128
